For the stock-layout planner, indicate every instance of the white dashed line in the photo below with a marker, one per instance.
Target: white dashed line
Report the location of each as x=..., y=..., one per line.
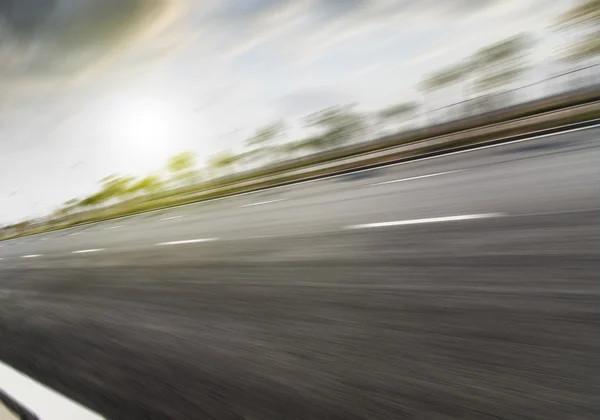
x=74, y=233
x=42, y=401
x=429, y=220
x=31, y=256
x=113, y=227
x=415, y=177
x=261, y=203
x=85, y=251
x=172, y=217
x=188, y=241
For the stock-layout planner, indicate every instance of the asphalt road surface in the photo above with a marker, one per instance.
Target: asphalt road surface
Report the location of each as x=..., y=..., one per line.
x=460, y=287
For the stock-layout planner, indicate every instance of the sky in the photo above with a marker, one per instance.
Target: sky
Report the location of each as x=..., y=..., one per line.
x=94, y=87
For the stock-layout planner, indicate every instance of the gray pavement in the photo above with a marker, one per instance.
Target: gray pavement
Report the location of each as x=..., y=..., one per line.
x=481, y=301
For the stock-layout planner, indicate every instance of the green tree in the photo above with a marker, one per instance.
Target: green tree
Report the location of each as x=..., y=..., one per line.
x=223, y=163
x=459, y=73
x=115, y=187
x=584, y=21
x=265, y=143
x=69, y=206
x=337, y=125
x=181, y=167
x=250, y=158
x=267, y=136
x=94, y=200
x=399, y=113
x=149, y=184
x=447, y=77
x=183, y=161
x=500, y=64
x=297, y=148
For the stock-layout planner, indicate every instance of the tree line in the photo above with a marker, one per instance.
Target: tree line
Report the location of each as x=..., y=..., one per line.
x=490, y=69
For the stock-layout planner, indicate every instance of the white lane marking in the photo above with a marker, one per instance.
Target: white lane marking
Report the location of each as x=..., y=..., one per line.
x=31, y=256
x=187, y=241
x=85, y=251
x=74, y=233
x=43, y=239
x=417, y=177
x=428, y=220
x=262, y=202
x=113, y=227
x=171, y=217
x=39, y=399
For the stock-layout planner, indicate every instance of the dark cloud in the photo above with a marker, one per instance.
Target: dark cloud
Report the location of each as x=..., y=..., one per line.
x=67, y=24
x=41, y=40
x=22, y=18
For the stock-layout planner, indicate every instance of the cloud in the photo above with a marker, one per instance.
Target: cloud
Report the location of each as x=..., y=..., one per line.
x=50, y=42
x=306, y=29
x=45, y=42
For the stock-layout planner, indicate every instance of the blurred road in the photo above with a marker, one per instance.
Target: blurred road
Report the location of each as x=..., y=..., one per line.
x=457, y=287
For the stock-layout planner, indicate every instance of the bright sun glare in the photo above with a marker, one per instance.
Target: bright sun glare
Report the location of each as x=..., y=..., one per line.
x=146, y=132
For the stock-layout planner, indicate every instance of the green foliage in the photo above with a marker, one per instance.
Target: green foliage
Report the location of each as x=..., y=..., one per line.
x=398, y=111
x=502, y=63
x=493, y=66
x=446, y=77
x=267, y=136
x=223, y=159
x=94, y=200
x=149, y=184
x=181, y=162
x=507, y=50
x=265, y=144
x=181, y=167
x=338, y=125
x=114, y=186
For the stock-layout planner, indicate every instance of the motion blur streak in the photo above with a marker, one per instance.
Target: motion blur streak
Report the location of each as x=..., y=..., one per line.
x=303, y=209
